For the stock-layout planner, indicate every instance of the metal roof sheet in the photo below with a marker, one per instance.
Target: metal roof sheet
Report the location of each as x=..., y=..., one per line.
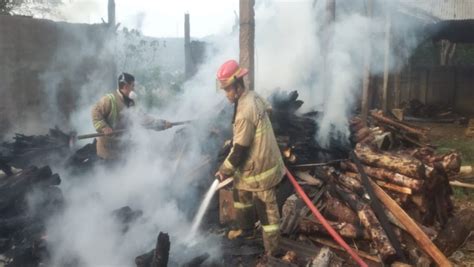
x=441, y=9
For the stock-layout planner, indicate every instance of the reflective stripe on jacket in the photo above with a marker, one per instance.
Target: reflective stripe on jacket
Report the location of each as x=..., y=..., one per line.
x=263, y=167
x=107, y=113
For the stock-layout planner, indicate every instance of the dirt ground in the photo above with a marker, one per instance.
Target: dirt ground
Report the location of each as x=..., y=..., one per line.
x=448, y=136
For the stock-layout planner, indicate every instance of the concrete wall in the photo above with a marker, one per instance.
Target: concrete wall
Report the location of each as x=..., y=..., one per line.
x=45, y=68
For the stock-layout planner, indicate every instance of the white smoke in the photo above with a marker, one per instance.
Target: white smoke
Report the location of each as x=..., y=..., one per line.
x=288, y=55
x=353, y=34
x=155, y=178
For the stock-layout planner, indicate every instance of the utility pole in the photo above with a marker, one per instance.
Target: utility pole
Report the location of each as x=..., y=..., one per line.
x=330, y=17
x=111, y=33
x=247, y=40
x=188, y=61
x=111, y=13
x=366, y=77
x=388, y=29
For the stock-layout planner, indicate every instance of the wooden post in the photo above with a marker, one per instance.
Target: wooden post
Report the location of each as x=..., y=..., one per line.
x=366, y=77
x=388, y=28
x=247, y=39
x=111, y=22
x=188, y=63
x=411, y=227
x=326, y=44
x=111, y=13
x=397, y=87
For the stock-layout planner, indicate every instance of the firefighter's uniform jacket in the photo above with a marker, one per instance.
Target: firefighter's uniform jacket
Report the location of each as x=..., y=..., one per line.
x=260, y=171
x=108, y=112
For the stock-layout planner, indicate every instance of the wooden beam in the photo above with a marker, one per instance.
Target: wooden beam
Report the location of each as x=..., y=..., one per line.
x=388, y=28
x=412, y=228
x=111, y=13
x=366, y=73
x=327, y=34
x=461, y=184
x=247, y=39
x=188, y=62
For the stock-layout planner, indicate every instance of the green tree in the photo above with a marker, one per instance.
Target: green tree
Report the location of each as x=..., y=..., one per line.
x=6, y=7
x=37, y=8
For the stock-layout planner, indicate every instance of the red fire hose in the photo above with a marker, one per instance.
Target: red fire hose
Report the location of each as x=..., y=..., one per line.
x=321, y=219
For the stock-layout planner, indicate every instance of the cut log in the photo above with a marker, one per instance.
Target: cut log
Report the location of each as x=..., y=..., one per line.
x=305, y=176
x=385, y=175
x=461, y=184
x=339, y=211
x=309, y=227
x=362, y=134
x=418, y=235
x=405, y=165
x=395, y=188
x=371, y=224
x=350, y=183
x=379, y=117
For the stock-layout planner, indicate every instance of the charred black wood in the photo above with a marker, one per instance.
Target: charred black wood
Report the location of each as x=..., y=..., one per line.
x=301, y=130
x=162, y=251
x=159, y=256
x=7, y=169
x=37, y=149
x=84, y=158
x=15, y=187
x=144, y=260
x=197, y=261
x=126, y=216
x=456, y=231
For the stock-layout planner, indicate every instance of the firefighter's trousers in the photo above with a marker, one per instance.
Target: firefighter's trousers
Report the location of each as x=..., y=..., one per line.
x=248, y=205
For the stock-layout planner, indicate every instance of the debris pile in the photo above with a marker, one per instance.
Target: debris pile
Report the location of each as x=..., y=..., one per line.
x=419, y=112
x=37, y=150
x=28, y=198
x=386, y=191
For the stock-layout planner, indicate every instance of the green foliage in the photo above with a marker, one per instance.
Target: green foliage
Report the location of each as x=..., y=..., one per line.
x=139, y=55
x=6, y=6
x=466, y=147
x=38, y=8
x=464, y=54
x=427, y=54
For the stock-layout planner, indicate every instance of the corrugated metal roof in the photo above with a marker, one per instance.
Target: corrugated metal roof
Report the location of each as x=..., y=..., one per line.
x=441, y=9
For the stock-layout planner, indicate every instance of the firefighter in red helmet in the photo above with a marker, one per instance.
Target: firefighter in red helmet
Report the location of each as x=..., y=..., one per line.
x=254, y=161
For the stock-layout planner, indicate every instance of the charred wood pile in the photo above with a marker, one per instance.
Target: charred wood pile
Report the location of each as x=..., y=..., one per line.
x=39, y=150
x=28, y=198
x=295, y=132
x=418, y=112
x=386, y=191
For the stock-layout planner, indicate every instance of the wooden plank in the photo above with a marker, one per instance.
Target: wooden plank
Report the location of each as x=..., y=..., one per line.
x=366, y=72
x=461, y=184
x=412, y=228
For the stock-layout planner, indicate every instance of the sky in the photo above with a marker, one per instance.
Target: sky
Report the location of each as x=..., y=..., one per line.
x=157, y=18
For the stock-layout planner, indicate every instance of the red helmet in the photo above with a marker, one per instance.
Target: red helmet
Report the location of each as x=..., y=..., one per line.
x=229, y=72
